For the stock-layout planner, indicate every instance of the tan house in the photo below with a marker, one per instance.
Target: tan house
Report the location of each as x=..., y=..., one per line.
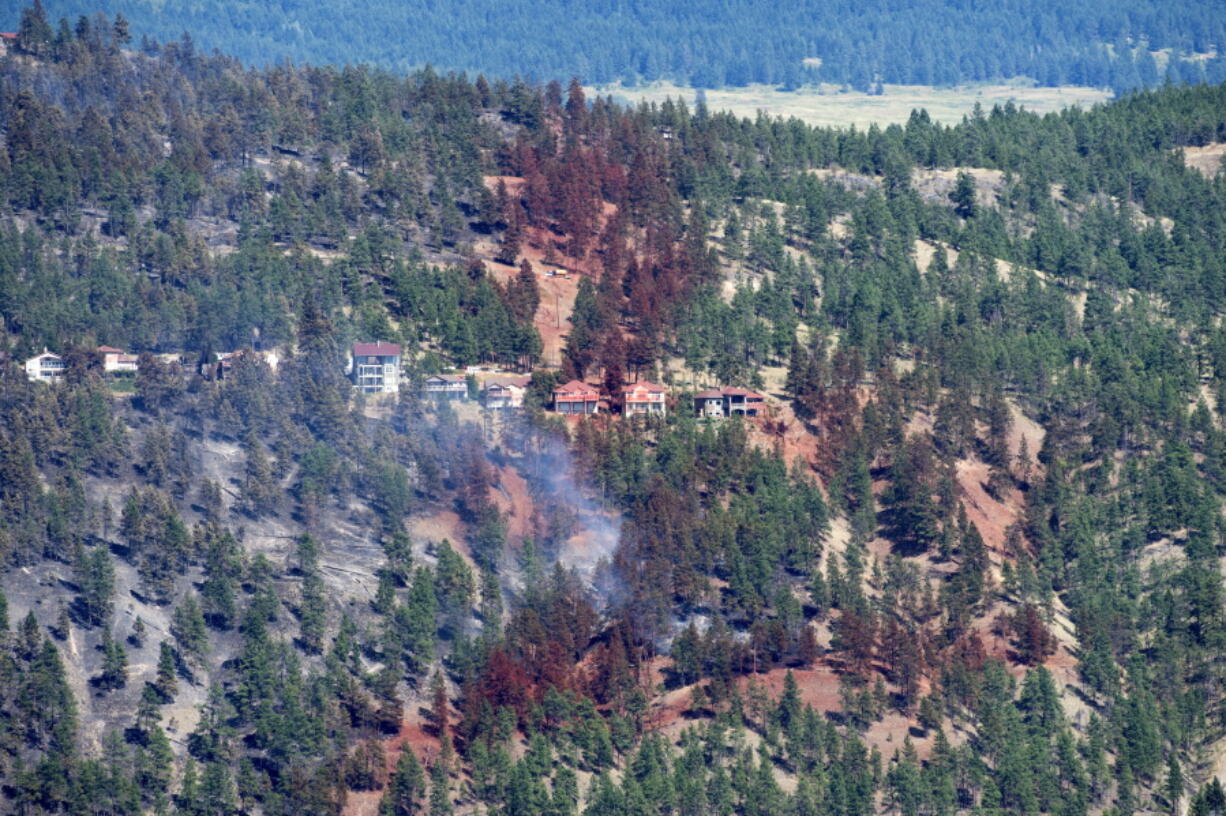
x=644, y=399
x=504, y=393
x=117, y=361
x=446, y=386
x=728, y=401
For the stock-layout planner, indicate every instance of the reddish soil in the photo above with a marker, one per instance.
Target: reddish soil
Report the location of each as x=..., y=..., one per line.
x=780, y=430
x=819, y=686
x=512, y=498
x=990, y=516
x=889, y=734
x=444, y=524
x=413, y=737
x=437, y=526
x=557, y=293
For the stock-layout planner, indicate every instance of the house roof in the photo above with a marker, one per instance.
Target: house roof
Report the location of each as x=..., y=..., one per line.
x=450, y=378
x=504, y=382
x=507, y=383
x=376, y=350
x=46, y=353
x=8, y=35
x=575, y=388
x=728, y=391
x=644, y=392
x=742, y=392
x=109, y=350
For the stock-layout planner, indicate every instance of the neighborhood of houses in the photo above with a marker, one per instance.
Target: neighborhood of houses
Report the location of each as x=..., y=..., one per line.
x=377, y=368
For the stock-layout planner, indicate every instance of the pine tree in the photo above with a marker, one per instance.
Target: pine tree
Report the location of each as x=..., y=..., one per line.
x=188, y=628
x=1174, y=783
x=440, y=790
x=311, y=611
x=166, y=681
x=963, y=196
x=385, y=594
x=139, y=630
x=95, y=576
x=524, y=293
x=439, y=705
x=403, y=795
x=154, y=769
x=260, y=490
x=114, y=663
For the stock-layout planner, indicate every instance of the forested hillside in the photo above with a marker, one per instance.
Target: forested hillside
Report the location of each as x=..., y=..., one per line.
x=967, y=559
x=1120, y=44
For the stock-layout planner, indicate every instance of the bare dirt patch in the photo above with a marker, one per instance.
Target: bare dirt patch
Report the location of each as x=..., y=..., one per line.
x=412, y=737
x=513, y=499
x=558, y=291
x=1206, y=160
x=990, y=515
x=939, y=183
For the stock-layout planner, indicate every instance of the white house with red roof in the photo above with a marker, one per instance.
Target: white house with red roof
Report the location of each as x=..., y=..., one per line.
x=376, y=368
x=576, y=398
x=728, y=401
x=644, y=399
x=117, y=361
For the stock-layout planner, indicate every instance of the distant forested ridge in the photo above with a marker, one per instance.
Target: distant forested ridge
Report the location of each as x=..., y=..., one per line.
x=712, y=44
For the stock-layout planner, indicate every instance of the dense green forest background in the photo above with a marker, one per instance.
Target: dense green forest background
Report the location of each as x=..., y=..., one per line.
x=713, y=44
x=970, y=563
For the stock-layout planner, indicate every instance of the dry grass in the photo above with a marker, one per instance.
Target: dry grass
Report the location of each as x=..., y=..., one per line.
x=826, y=105
x=1207, y=159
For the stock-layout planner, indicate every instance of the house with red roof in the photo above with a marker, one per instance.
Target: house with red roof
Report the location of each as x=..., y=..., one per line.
x=644, y=399
x=117, y=361
x=376, y=368
x=728, y=401
x=576, y=398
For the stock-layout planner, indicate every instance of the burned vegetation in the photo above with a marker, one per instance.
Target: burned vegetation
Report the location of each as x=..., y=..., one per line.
x=926, y=517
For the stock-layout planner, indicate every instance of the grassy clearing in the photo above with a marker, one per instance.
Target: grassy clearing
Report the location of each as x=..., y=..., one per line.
x=827, y=106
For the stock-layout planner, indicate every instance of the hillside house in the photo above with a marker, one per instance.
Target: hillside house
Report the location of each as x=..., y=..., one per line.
x=446, y=386
x=117, y=361
x=376, y=368
x=226, y=359
x=504, y=393
x=728, y=401
x=644, y=399
x=45, y=367
x=576, y=398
